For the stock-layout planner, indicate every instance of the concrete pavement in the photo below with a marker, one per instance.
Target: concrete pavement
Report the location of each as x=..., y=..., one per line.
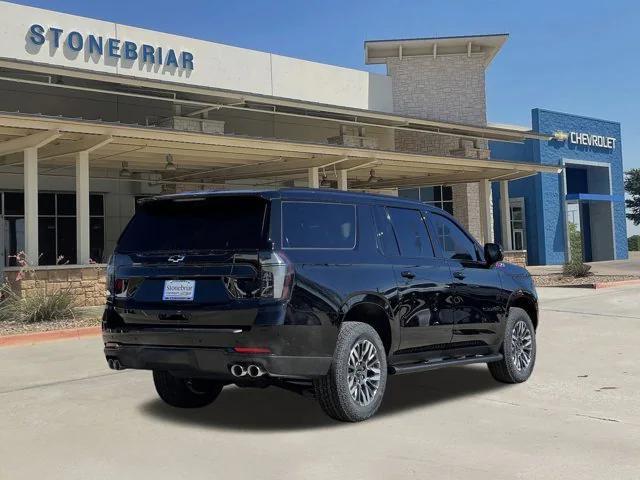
x=65, y=416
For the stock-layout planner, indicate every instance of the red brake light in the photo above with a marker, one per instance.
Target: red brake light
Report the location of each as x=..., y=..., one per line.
x=119, y=286
x=251, y=350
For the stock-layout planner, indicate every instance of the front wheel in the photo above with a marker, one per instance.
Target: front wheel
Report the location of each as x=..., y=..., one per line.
x=352, y=391
x=185, y=392
x=518, y=349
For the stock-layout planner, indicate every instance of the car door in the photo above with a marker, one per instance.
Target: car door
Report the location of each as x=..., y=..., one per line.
x=478, y=294
x=424, y=308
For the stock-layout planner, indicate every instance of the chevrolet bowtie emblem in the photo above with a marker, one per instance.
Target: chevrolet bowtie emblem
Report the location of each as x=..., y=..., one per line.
x=176, y=258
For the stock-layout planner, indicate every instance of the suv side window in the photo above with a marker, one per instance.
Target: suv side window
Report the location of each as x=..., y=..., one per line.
x=318, y=225
x=455, y=242
x=385, y=237
x=411, y=232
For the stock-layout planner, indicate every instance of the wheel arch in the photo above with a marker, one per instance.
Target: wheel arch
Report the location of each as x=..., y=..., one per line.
x=528, y=303
x=374, y=311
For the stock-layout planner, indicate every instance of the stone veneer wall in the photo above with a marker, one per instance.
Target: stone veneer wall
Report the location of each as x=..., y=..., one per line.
x=86, y=283
x=448, y=88
x=517, y=257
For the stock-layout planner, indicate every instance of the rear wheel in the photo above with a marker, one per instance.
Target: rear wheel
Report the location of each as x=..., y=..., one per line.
x=185, y=392
x=352, y=391
x=518, y=349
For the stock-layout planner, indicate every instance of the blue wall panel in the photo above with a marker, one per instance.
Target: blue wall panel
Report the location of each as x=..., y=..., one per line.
x=546, y=241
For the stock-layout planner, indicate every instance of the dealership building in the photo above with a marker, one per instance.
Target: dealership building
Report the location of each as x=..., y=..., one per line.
x=95, y=115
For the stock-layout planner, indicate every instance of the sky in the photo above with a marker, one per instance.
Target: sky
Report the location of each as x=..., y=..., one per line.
x=579, y=57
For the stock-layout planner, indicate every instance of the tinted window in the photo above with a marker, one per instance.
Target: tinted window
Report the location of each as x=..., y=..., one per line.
x=318, y=225
x=411, y=232
x=454, y=242
x=204, y=223
x=387, y=242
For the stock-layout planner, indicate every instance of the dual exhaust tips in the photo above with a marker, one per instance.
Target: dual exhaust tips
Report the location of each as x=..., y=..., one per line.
x=254, y=371
x=114, y=364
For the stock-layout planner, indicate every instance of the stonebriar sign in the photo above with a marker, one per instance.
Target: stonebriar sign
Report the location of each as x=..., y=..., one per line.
x=113, y=48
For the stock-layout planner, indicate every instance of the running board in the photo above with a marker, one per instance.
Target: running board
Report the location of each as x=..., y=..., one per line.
x=426, y=365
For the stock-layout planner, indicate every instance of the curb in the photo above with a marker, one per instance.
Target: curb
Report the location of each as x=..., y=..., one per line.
x=40, y=337
x=619, y=283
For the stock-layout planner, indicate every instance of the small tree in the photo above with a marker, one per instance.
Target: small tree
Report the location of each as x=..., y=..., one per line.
x=634, y=243
x=576, y=266
x=575, y=243
x=632, y=186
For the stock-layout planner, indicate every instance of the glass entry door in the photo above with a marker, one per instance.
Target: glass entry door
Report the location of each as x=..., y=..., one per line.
x=518, y=228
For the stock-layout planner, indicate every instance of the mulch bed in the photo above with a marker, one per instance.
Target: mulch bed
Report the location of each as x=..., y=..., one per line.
x=15, y=328
x=557, y=280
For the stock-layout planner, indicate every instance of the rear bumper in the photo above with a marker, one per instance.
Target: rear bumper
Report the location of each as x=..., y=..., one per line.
x=296, y=351
x=214, y=362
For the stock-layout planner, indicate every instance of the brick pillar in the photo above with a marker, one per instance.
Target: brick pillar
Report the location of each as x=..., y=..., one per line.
x=447, y=88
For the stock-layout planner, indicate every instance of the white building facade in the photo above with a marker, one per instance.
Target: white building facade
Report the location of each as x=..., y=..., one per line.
x=94, y=115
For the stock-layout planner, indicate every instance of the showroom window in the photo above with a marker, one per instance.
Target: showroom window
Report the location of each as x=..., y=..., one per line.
x=439, y=196
x=56, y=227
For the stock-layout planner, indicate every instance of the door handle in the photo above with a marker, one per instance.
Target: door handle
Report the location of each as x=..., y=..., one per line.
x=408, y=274
x=459, y=275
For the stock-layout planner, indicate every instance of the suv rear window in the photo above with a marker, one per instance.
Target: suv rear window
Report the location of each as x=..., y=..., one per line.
x=197, y=223
x=318, y=225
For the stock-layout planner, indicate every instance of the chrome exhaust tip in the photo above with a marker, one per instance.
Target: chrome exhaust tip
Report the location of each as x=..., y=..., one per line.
x=238, y=370
x=255, y=371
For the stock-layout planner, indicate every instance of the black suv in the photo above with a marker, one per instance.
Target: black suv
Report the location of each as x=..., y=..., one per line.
x=316, y=291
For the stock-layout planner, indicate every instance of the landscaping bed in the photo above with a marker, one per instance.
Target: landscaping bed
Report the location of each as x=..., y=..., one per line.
x=83, y=318
x=559, y=280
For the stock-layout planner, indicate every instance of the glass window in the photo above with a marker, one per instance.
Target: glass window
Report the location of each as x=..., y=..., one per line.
x=13, y=239
x=318, y=225
x=200, y=223
x=411, y=233
x=454, y=242
x=66, y=204
x=96, y=239
x=387, y=242
x=96, y=206
x=66, y=233
x=14, y=203
x=47, y=204
x=439, y=196
x=47, y=240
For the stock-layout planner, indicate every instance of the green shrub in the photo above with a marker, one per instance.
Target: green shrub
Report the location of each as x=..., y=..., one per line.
x=576, y=269
x=634, y=243
x=36, y=306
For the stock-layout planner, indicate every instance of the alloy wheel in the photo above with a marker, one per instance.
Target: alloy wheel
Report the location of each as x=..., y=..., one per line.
x=363, y=372
x=522, y=344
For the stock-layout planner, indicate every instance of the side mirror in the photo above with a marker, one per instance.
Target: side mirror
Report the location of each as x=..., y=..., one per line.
x=492, y=253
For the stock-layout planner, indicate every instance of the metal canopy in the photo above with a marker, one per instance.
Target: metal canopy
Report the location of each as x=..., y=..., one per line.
x=214, y=159
x=197, y=100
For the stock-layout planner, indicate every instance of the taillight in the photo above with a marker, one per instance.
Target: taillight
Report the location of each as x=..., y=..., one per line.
x=120, y=287
x=274, y=280
x=277, y=276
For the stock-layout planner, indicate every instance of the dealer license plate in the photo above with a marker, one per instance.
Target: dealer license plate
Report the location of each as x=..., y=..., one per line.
x=179, y=290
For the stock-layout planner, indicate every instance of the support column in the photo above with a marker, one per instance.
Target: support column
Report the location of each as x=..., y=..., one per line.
x=505, y=215
x=82, y=208
x=485, y=211
x=342, y=180
x=314, y=181
x=31, y=248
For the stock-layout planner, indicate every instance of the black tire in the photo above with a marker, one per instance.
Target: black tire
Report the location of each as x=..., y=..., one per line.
x=508, y=370
x=185, y=392
x=332, y=390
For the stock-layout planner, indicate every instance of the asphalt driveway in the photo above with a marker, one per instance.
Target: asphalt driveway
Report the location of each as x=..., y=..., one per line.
x=64, y=415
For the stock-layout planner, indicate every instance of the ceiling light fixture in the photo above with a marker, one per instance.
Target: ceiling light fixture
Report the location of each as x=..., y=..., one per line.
x=124, y=171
